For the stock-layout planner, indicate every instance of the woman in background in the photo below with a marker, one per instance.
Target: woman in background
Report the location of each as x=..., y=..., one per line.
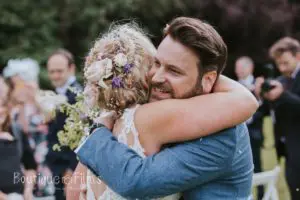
x=22, y=75
x=16, y=183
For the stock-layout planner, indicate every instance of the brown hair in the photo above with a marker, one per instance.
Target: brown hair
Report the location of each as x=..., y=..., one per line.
x=203, y=39
x=283, y=45
x=6, y=124
x=65, y=53
x=5, y=103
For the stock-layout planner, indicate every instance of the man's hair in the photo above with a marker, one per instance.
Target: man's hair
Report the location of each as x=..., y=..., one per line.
x=246, y=60
x=286, y=44
x=203, y=39
x=65, y=53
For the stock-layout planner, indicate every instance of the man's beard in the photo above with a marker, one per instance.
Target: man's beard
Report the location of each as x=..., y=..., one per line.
x=194, y=91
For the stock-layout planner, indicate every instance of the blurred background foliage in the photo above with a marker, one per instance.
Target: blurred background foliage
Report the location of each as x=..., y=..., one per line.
x=33, y=28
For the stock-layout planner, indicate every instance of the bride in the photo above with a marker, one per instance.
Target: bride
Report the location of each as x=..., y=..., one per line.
x=116, y=80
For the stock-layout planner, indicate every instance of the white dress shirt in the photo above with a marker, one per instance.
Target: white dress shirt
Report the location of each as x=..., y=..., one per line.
x=63, y=89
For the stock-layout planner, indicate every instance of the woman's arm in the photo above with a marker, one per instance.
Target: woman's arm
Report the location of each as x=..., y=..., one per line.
x=75, y=187
x=30, y=180
x=177, y=120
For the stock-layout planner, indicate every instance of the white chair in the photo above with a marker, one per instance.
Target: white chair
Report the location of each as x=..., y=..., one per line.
x=268, y=178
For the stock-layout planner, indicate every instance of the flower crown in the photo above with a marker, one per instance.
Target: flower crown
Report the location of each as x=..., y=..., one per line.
x=104, y=68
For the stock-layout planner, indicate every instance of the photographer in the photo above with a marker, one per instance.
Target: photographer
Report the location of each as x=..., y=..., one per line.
x=284, y=96
x=244, y=67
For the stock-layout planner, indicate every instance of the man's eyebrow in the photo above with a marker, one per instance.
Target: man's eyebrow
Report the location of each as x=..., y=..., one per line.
x=175, y=68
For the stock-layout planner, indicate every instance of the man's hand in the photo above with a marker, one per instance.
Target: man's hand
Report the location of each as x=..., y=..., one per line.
x=274, y=93
x=107, y=119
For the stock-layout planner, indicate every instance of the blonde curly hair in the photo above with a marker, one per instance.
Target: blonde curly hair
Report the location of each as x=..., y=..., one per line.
x=117, y=65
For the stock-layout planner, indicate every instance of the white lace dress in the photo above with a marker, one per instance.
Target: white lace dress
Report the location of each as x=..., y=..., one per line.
x=129, y=136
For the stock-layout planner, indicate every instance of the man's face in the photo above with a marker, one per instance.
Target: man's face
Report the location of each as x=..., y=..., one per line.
x=286, y=63
x=58, y=70
x=175, y=72
x=242, y=69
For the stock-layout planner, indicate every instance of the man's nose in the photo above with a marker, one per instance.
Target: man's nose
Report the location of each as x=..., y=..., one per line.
x=159, y=76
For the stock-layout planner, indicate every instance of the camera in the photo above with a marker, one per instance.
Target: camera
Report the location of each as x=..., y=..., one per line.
x=266, y=86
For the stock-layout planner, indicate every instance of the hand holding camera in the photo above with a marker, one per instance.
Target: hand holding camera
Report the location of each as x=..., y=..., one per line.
x=268, y=89
x=275, y=92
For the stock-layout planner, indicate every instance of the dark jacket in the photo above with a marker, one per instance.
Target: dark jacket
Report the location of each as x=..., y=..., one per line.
x=59, y=161
x=287, y=115
x=255, y=123
x=14, y=154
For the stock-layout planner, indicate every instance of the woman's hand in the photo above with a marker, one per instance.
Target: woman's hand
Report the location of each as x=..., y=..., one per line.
x=6, y=136
x=3, y=196
x=76, y=188
x=30, y=176
x=28, y=194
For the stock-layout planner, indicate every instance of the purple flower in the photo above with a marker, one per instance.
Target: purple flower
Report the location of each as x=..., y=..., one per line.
x=117, y=82
x=127, y=68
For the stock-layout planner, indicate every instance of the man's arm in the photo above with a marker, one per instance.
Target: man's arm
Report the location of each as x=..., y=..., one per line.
x=170, y=171
x=288, y=100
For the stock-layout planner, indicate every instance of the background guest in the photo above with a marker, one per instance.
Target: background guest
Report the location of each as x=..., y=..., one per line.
x=60, y=68
x=15, y=152
x=244, y=68
x=26, y=113
x=285, y=99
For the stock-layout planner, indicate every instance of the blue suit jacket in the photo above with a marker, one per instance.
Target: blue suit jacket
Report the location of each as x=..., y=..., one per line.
x=214, y=167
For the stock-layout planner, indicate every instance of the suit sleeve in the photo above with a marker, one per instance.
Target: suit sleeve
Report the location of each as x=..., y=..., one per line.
x=170, y=171
x=289, y=100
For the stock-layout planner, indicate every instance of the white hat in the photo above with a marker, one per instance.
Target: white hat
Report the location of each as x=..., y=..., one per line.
x=27, y=68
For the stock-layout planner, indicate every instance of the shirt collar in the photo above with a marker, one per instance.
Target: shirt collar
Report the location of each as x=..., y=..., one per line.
x=63, y=89
x=249, y=80
x=295, y=72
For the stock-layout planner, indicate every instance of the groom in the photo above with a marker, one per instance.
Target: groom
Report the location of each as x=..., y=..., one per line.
x=215, y=167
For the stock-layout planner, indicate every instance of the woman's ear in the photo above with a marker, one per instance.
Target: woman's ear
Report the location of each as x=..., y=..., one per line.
x=208, y=81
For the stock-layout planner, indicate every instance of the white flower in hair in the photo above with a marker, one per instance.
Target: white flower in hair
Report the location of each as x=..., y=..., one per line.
x=98, y=71
x=120, y=59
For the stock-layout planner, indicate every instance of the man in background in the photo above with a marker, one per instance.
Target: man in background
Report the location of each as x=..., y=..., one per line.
x=244, y=67
x=285, y=100
x=61, y=68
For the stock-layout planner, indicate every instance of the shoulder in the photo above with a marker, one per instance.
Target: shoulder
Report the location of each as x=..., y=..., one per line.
x=223, y=142
x=217, y=150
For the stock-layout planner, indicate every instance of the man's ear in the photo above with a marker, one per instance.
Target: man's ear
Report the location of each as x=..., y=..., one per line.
x=73, y=69
x=298, y=56
x=208, y=81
